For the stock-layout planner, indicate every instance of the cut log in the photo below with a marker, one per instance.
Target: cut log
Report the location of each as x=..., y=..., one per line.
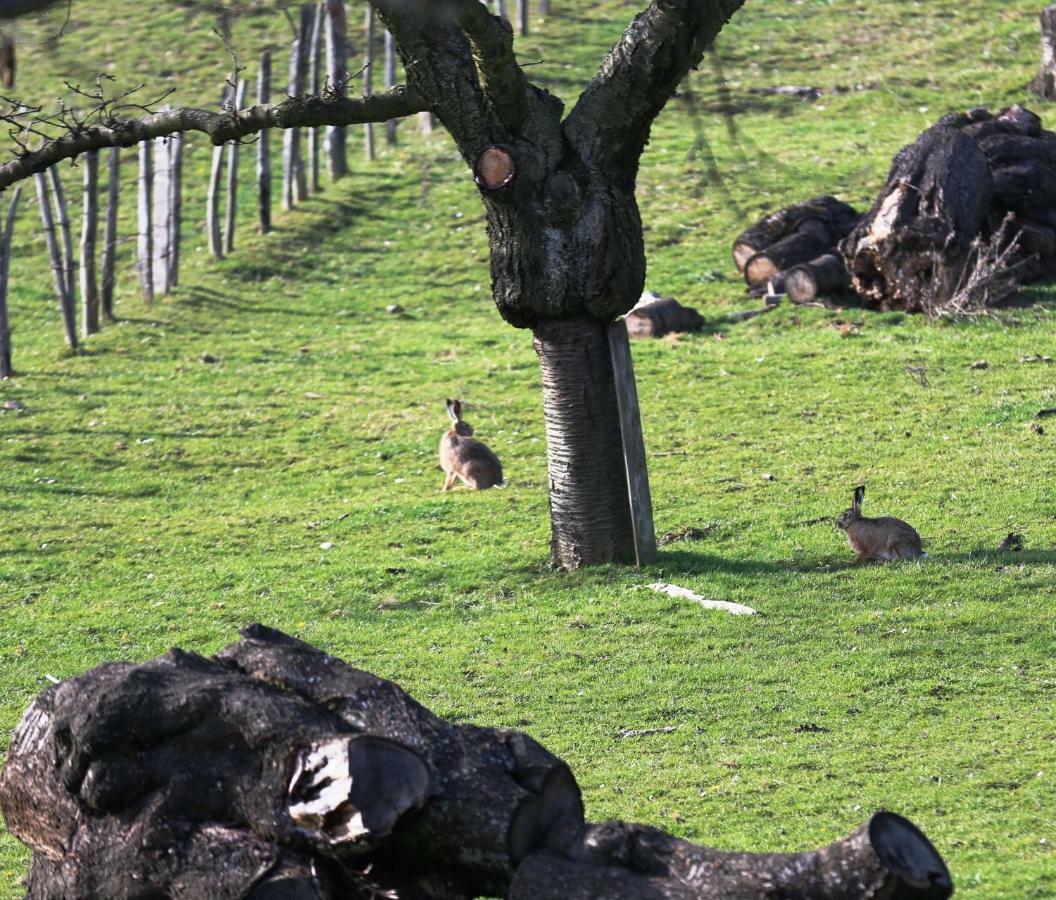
x=886, y=857
x=790, y=251
x=910, y=251
x=662, y=317
x=836, y=218
x=1044, y=83
x=824, y=275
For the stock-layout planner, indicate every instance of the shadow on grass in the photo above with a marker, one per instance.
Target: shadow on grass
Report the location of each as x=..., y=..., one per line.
x=693, y=562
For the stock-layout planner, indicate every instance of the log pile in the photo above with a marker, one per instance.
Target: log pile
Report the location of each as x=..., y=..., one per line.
x=967, y=212
x=273, y=770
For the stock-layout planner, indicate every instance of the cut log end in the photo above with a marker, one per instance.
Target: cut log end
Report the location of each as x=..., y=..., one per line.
x=495, y=169
x=909, y=855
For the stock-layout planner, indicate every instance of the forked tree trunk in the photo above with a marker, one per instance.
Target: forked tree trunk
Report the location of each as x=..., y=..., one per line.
x=590, y=512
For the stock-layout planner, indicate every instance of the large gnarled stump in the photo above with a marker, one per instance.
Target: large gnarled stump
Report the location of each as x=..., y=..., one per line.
x=273, y=771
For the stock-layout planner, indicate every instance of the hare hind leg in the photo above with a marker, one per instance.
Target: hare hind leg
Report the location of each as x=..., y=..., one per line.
x=449, y=481
x=905, y=551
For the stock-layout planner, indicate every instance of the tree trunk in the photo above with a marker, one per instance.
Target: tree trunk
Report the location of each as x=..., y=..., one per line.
x=89, y=231
x=300, y=163
x=113, y=196
x=589, y=508
x=161, y=213
x=212, y=198
x=5, y=270
x=1045, y=81
x=337, y=82
x=175, y=208
x=390, y=82
x=315, y=86
x=291, y=138
x=62, y=214
x=910, y=251
x=231, y=210
x=47, y=218
x=368, y=77
x=523, y=15
x=145, y=241
x=263, y=147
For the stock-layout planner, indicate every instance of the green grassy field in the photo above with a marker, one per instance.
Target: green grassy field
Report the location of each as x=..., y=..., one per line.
x=151, y=500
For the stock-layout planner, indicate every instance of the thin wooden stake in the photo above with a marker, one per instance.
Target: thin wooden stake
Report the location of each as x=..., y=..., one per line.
x=89, y=233
x=212, y=200
x=175, y=207
x=300, y=166
x=337, y=81
x=315, y=88
x=5, y=270
x=368, y=70
x=113, y=193
x=500, y=8
x=69, y=323
x=390, y=82
x=264, y=147
x=291, y=137
x=161, y=214
x=426, y=122
x=232, y=177
x=145, y=243
x=63, y=221
x=523, y=15
x=633, y=444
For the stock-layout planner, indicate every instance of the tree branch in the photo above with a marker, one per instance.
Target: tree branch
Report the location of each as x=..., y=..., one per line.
x=611, y=120
x=296, y=112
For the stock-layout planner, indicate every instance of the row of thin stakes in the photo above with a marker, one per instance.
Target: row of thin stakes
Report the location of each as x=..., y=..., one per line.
x=160, y=183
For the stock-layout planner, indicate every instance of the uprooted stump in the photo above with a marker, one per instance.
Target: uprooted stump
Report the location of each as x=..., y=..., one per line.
x=273, y=771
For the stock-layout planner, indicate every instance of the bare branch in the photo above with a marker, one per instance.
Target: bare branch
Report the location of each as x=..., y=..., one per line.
x=296, y=112
x=610, y=123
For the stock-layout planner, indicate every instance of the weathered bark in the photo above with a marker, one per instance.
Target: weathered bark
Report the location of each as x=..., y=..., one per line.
x=89, y=232
x=662, y=317
x=886, y=857
x=589, y=508
x=822, y=275
x=914, y=243
x=264, y=147
x=113, y=196
x=6, y=371
x=191, y=777
x=790, y=251
x=1045, y=81
x=47, y=218
x=829, y=219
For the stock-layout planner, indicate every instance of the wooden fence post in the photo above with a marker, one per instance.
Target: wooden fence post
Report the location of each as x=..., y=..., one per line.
x=69, y=323
x=63, y=221
x=145, y=242
x=232, y=177
x=426, y=123
x=263, y=147
x=337, y=79
x=390, y=82
x=368, y=71
x=161, y=215
x=633, y=444
x=175, y=206
x=314, y=88
x=5, y=270
x=113, y=193
x=291, y=137
x=89, y=232
x=300, y=165
x=212, y=200
x=522, y=15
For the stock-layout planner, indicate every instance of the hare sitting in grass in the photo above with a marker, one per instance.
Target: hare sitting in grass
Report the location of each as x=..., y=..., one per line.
x=463, y=456
x=883, y=538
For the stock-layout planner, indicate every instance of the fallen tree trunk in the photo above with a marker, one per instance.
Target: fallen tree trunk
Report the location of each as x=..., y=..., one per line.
x=829, y=219
x=910, y=250
x=822, y=275
x=273, y=771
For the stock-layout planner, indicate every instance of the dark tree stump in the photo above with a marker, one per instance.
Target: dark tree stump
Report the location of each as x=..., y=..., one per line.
x=1044, y=84
x=824, y=275
x=662, y=317
x=273, y=771
x=911, y=248
x=828, y=219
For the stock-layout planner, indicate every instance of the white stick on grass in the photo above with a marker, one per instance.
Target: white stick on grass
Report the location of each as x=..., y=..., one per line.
x=673, y=590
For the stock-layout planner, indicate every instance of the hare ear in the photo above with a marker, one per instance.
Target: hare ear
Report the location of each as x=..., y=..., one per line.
x=454, y=410
x=859, y=496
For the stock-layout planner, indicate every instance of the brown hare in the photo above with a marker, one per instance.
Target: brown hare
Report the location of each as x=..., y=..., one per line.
x=883, y=538
x=463, y=456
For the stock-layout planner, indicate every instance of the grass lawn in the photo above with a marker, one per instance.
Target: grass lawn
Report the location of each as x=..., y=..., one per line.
x=150, y=499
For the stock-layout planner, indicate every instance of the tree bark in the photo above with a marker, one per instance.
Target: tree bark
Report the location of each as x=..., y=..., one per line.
x=1045, y=82
x=89, y=232
x=337, y=78
x=62, y=219
x=212, y=199
x=300, y=163
x=6, y=371
x=790, y=251
x=113, y=196
x=264, y=147
x=390, y=82
x=912, y=247
x=368, y=76
x=175, y=208
x=662, y=317
x=589, y=508
x=315, y=86
x=291, y=138
x=145, y=204
x=161, y=215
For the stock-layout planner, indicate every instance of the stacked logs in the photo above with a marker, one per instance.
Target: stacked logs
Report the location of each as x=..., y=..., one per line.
x=974, y=187
x=794, y=249
x=273, y=770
